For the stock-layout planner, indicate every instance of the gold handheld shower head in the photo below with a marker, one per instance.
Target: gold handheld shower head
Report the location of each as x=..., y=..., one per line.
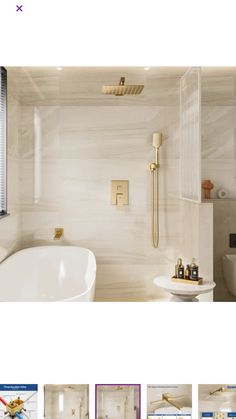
x=157, y=139
x=123, y=89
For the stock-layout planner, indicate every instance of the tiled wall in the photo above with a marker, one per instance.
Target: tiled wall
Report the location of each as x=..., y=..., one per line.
x=10, y=225
x=197, y=239
x=83, y=149
x=219, y=147
x=219, y=165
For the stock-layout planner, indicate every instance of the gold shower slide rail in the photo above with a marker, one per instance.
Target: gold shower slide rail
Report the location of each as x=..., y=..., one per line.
x=157, y=141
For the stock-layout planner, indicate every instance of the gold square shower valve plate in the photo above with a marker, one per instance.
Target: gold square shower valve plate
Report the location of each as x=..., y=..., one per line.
x=15, y=406
x=119, y=192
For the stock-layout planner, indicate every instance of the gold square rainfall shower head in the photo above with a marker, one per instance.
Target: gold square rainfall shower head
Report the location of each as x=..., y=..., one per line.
x=123, y=89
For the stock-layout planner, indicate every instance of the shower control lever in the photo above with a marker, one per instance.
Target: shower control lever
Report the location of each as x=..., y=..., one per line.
x=119, y=193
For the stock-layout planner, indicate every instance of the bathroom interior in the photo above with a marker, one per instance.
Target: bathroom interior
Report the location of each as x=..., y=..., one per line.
x=167, y=399
x=68, y=144
x=118, y=401
x=217, y=400
x=65, y=401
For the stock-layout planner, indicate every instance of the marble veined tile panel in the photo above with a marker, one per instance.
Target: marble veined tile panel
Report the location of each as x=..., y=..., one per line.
x=49, y=130
x=48, y=179
x=163, y=91
x=137, y=286
x=82, y=86
x=78, y=117
x=9, y=234
x=120, y=143
x=218, y=136
x=81, y=152
x=218, y=90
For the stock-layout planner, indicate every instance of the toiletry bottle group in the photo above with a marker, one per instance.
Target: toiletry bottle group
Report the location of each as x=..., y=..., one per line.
x=189, y=272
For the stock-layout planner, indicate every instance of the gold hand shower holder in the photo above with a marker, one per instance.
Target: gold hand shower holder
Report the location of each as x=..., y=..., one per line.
x=157, y=141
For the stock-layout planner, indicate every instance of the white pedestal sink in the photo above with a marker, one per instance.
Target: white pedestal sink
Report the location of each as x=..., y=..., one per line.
x=183, y=292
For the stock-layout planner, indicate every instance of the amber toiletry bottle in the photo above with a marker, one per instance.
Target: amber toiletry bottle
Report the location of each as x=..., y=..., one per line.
x=193, y=271
x=180, y=273
x=187, y=272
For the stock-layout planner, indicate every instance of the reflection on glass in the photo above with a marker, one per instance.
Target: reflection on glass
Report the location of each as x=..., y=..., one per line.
x=37, y=155
x=61, y=402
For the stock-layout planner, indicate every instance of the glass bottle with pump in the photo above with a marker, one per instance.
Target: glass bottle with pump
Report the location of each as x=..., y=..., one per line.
x=193, y=270
x=179, y=269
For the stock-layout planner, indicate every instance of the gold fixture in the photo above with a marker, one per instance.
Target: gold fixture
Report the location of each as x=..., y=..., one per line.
x=119, y=193
x=217, y=390
x=123, y=89
x=14, y=406
x=154, y=166
x=58, y=233
x=166, y=397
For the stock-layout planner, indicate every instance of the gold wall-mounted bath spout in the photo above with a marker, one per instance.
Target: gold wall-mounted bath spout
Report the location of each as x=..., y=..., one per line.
x=154, y=166
x=58, y=233
x=172, y=400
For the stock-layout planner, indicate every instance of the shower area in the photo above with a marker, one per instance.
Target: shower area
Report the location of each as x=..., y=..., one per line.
x=118, y=401
x=74, y=133
x=66, y=401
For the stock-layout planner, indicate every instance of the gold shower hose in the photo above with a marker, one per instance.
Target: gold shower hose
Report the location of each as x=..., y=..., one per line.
x=155, y=217
x=155, y=198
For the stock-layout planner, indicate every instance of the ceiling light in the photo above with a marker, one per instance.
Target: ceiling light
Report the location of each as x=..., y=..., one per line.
x=59, y=68
x=146, y=68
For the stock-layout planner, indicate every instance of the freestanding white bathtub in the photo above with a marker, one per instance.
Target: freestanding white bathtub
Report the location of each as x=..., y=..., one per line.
x=48, y=273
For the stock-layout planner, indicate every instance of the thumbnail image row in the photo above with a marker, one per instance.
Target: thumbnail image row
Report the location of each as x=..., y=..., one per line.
x=117, y=401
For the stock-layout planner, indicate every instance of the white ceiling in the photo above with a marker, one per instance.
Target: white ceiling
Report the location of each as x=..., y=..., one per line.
x=82, y=85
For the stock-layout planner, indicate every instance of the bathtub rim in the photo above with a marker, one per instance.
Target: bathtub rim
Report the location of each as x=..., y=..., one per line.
x=70, y=299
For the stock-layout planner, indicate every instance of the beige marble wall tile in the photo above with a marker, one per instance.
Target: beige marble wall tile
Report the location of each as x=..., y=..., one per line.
x=218, y=89
x=219, y=147
x=197, y=238
x=82, y=150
